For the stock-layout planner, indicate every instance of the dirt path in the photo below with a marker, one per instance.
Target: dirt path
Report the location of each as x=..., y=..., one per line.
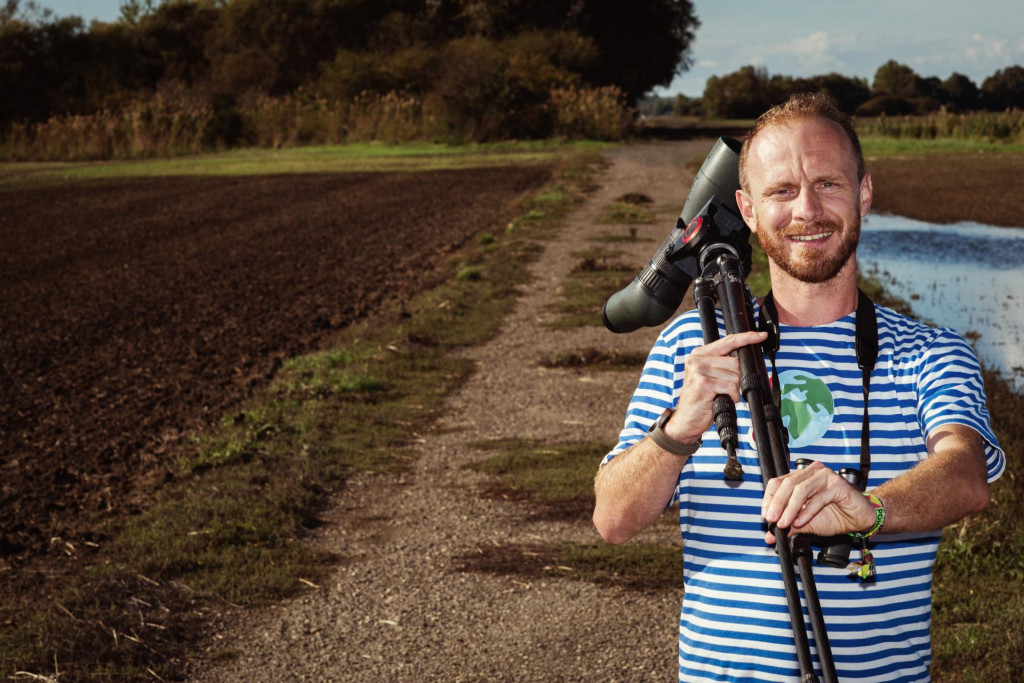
x=400, y=609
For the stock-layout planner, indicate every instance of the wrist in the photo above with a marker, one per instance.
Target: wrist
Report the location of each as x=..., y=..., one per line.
x=671, y=443
x=879, y=510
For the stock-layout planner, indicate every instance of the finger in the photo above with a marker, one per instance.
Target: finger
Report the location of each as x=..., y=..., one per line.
x=730, y=342
x=789, y=494
x=712, y=376
x=807, y=497
x=780, y=490
x=811, y=507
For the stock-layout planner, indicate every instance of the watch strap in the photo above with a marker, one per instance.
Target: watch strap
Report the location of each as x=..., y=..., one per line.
x=665, y=442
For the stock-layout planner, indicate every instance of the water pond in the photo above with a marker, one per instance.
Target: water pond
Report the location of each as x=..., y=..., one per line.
x=966, y=276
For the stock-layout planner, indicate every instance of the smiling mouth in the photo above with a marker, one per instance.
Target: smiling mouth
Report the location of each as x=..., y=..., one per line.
x=811, y=238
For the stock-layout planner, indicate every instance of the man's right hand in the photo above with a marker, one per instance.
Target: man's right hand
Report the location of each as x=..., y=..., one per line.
x=709, y=371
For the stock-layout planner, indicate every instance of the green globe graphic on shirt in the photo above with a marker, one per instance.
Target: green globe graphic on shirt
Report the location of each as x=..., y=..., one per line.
x=807, y=407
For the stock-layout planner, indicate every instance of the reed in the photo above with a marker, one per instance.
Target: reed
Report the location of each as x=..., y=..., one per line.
x=1005, y=126
x=174, y=122
x=591, y=113
x=160, y=125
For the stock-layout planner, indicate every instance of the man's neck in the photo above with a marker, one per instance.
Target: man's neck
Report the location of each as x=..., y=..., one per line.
x=803, y=304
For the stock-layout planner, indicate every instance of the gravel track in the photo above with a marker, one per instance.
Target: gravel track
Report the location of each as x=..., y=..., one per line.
x=400, y=608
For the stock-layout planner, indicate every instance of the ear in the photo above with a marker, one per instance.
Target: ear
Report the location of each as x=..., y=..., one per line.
x=746, y=207
x=866, y=191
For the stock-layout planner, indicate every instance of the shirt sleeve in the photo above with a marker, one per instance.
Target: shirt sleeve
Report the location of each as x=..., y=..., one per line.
x=660, y=380
x=951, y=390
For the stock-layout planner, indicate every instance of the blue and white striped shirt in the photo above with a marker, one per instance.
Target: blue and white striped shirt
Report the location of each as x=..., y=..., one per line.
x=735, y=623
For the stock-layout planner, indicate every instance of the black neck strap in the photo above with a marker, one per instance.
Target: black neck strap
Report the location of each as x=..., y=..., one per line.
x=867, y=354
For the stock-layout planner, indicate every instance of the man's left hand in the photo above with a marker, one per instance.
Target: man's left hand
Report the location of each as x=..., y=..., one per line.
x=815, y=500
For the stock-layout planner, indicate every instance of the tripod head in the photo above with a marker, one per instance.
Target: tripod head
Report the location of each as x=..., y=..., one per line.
x=709, y=223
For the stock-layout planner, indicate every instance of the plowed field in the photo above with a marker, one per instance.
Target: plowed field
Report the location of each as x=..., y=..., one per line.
x=134, y=311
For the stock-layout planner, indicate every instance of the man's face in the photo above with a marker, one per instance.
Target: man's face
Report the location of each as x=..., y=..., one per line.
x=803, y=198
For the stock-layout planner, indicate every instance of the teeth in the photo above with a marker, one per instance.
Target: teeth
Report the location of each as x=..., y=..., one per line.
x=812, y=238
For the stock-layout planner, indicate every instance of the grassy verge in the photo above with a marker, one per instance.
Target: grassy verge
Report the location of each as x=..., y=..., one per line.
x=357, y=157
x=978, y=615
x=874, y=145
x=231, y=526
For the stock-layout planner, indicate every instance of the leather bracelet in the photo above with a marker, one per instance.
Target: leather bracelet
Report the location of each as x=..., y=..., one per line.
x=667, y=443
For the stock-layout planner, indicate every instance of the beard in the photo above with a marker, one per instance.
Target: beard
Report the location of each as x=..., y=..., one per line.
x=811, y=267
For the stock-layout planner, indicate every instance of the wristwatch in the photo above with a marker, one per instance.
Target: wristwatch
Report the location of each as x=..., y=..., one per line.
x=658, y=435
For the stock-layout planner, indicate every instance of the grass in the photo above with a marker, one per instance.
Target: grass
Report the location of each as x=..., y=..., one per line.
x=594, y=358
x=623, y=212
x=978, y=613
x=232, y=524
x=547, y=472
x=351, y=158
x=557, y=478
x=876, y=146
x=594, y=278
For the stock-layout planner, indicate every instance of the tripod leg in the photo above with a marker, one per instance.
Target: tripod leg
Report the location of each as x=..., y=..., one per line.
x=723, y=409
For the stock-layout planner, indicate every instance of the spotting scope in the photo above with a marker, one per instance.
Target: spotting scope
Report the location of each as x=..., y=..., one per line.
x=710, y=221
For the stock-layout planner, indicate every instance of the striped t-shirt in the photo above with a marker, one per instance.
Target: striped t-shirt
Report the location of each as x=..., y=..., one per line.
x=734, y=623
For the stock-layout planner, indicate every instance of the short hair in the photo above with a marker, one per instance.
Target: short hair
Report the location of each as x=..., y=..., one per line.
x=799, y=107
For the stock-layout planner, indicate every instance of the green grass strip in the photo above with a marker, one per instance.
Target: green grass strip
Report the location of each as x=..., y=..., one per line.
x=353, y=158
x=880, y=146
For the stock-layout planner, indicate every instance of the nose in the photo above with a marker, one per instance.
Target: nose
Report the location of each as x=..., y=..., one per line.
x=807, y=206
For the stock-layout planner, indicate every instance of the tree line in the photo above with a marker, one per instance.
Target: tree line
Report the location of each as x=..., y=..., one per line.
x=483, y=69
x=895, y=90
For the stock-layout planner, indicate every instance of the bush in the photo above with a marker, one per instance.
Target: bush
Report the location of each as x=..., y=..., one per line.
x=596, y=114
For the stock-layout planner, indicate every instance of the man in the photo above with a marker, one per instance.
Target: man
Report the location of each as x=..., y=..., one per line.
x=803, y=191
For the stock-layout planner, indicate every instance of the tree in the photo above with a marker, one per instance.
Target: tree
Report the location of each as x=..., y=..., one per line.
x=44, y=64
x=687, y=106
x=1004, y=89
x=499, y=88
x=742, y=94
x=171, y=42
x=849, y=93
x=960, y=91
x=640, y=44
x=893, y=78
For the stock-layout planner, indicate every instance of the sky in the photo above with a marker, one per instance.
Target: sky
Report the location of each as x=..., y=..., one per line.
x=811, y=37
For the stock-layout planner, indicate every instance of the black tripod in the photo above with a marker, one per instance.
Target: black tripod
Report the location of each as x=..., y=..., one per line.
x=722, y=279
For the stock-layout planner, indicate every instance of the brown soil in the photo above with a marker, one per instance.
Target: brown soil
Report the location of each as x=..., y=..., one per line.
x=984, y=188
x=134, y=311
